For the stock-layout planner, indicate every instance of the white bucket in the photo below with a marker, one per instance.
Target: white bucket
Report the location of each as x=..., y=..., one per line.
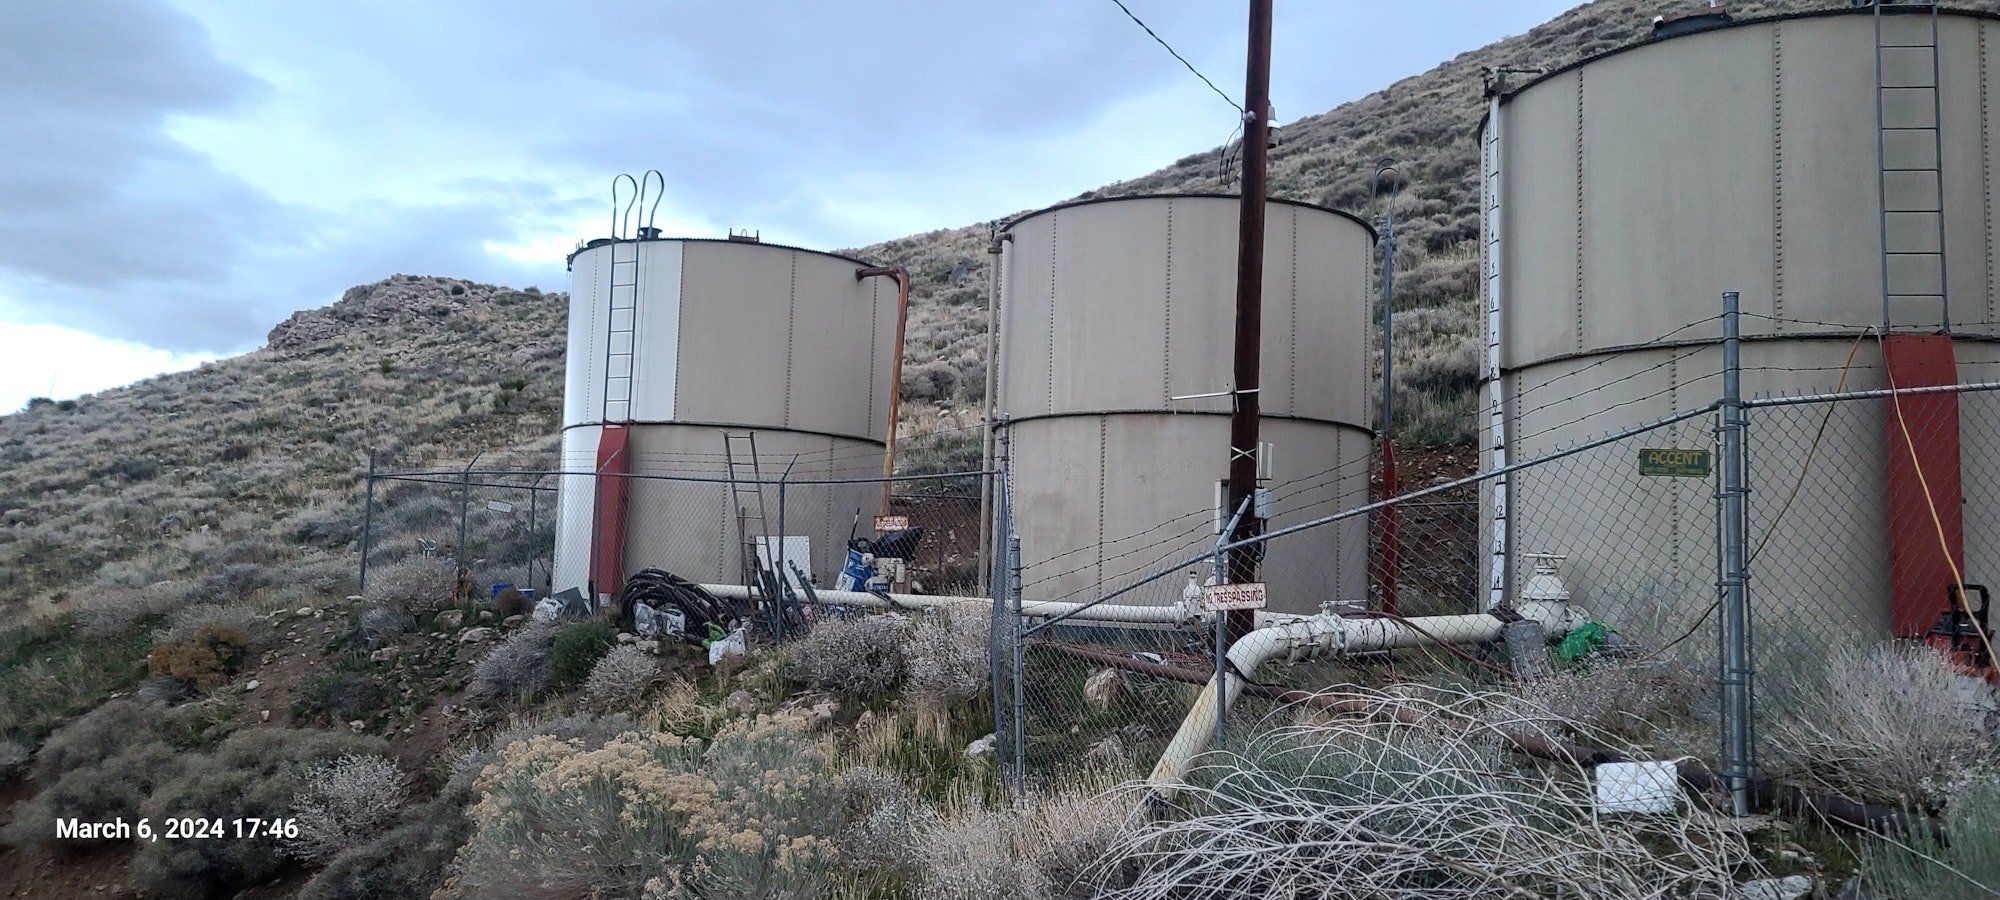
x=1637, y=787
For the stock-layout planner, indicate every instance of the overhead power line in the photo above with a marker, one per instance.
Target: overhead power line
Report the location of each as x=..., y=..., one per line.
x=1170, y=49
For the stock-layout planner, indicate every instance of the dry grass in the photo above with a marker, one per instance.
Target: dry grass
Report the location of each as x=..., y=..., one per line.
x=1040, y=848
x=858, y=656
x=620, y=678
x=1371, y=806
x=947, y=655
x=1879, y=721
x=346, y=802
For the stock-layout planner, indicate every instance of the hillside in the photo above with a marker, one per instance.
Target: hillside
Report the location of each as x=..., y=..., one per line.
x=132, y=487
x=180, y=645
x=241, y=475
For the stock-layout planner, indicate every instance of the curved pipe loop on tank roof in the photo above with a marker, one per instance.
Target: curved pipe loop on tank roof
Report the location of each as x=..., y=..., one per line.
x=621, y=216
x=1387, y=166
x=634, y=210
x=646, y=229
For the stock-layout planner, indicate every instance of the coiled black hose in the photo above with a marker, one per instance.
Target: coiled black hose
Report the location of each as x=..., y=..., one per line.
x=664, y=590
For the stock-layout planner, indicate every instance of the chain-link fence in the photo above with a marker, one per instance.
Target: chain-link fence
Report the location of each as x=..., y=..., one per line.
x=422, y=527
x=1809, y=523
x=519, y=530
x=1425, y=554
x=1872, y=513
x=1628, y=540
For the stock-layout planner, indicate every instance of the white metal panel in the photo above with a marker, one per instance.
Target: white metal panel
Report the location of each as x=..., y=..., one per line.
x=576, y=495
x=656, y=365
x=1674, y=215
x=583, y=382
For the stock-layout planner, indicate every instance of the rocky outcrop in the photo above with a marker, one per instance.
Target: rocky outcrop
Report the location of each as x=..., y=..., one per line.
x=416, y=302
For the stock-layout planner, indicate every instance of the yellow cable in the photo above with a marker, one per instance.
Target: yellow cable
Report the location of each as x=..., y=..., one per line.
x=1944, y=543
x=1806, y=468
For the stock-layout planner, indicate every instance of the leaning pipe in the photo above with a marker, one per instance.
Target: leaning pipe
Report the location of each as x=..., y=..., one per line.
x=902, y=277
x=1323, y=635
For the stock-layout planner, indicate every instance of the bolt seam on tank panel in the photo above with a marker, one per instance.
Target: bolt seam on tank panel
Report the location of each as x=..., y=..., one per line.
x=875, y=343
x=1055, y=226
x=1167, y=314
x=791, y=335
x=1292, y=358
x=1778, y=170
x=1103, y=473
x=1579, y=210
x=1987, y=173
x=680, y=334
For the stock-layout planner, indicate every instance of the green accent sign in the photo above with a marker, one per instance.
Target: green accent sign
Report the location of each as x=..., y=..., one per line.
x=1674, y=463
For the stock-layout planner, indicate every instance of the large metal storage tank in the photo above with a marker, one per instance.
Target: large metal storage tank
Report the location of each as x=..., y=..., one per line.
x=724, y=336
x=1624, y=193
x=1111, y=308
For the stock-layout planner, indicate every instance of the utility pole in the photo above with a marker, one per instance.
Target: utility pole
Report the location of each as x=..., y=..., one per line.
x=1250, y=310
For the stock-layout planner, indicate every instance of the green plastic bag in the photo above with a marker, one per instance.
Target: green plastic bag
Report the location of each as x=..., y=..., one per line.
x=1579, y=644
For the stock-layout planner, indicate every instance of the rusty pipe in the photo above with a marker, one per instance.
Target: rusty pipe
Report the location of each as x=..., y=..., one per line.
x=990, y=404
x=902, y=277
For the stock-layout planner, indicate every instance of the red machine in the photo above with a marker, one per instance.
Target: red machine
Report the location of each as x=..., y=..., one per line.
x=1964, y=635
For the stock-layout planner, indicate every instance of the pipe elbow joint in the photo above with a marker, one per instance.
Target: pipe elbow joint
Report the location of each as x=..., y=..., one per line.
x=1555, y=616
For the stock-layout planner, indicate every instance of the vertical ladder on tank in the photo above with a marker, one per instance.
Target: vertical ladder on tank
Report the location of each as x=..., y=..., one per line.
x=622, y=302
x=620, y=330
x=1908, y=115
x=742, y=492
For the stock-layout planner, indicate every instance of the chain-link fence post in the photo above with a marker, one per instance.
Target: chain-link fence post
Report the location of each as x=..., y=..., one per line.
x=1000, y=636
x=781, y=584
x=461, y=564
x=367, y=522
x=1020, y=648
x=534, y=502
x=1736, y=669
x=1222, y=630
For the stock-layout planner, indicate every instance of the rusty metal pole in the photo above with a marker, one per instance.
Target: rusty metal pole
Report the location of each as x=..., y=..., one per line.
x=902, y=277
x=1250, y=309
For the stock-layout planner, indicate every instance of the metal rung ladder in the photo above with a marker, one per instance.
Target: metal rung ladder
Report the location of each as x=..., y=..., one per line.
x=1909, y=148
x=621, y=317
x=621, y=329
x=742, y=492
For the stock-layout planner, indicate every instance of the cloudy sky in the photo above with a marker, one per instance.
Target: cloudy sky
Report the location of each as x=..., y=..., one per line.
x=177, y=176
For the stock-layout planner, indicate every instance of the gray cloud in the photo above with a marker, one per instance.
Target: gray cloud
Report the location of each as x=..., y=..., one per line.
x=377, y=137
x=97, y=205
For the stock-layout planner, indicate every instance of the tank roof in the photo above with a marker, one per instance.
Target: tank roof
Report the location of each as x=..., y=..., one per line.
x=1906, y=9
x=1188, y=196
x=601, y=241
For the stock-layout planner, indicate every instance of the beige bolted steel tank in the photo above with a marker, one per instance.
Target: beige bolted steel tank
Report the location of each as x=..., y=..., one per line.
x=672, y=343
x=1626, y=192
x=1111, y=309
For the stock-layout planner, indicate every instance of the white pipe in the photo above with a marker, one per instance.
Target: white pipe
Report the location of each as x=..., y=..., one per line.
x=1294, y=637
x=1335, y=636
x=1177, y=615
